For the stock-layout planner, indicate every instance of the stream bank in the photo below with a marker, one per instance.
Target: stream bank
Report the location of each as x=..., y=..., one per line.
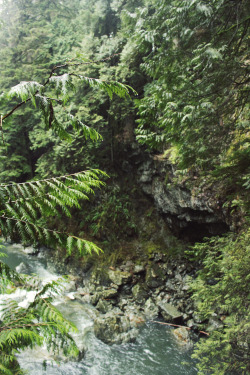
x=154, y=351
x=128, y=295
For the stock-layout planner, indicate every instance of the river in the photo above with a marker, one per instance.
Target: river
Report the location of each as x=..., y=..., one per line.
x=155, y=351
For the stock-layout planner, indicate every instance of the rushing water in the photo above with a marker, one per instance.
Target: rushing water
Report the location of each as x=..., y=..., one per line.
x=155, y=351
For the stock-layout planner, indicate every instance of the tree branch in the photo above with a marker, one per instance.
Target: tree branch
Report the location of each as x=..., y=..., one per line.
x=67, y=64
x=15, y=108
x=1, y=129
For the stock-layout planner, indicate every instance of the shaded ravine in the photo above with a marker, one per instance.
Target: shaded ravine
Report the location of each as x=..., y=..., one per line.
x=154, y=352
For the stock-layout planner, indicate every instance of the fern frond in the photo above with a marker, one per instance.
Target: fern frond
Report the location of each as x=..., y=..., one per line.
x=83, y=246
x=111, y=87
x=37, y=324
x=8, y=362
x=88, y=132
x=63, y=84
x=61, y=203
x=28, y=231
x=7, y=276
x=25, y=207
x=26, y=201
x=14, y=337
x=25, y=90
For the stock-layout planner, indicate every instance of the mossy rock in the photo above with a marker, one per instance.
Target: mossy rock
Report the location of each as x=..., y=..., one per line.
x=103, y=306
x=99, y=276
x=169, y=312
x=151, y=310
x=114, y=328
x=148, y=230
x=140, y=292
x=154, y=276
x=151, y=248
x=119, y=277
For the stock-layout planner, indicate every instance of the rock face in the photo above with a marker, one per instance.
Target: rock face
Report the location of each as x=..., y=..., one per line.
x=189, y=215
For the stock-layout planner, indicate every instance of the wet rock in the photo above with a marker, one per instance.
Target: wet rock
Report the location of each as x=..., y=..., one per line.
x=114, y=328
x=169, y=312
x=178, y=277
x=125, y=290
x=139, y=293
x=162, y=297
x=123, y=303
x=181, y=268
x=128, y=266
x=139, y=268
x=185, y=287
x=135, y=313
x=197, y=318
x=180, y=305
x=170, y=286
x=70, y=296
x=119, y=277
x=190, y=323
x=84, y=297
x=109, y=293
x=157, y=291
x=136, y=319
x=94, y=298
x=185, y=316
x=151, y=310
x=164, y=268
x=98, y=277
x=170, y=272
x=154, y=276
x=183, y=338
x=103, y=306
x=70, y=284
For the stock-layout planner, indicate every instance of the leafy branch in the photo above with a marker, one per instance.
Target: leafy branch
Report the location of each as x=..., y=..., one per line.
x=31, y=89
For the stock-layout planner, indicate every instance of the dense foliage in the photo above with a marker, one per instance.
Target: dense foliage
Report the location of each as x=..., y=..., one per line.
x=25, y=207
x=189, y=62
x=221, y=291
x=197, y=59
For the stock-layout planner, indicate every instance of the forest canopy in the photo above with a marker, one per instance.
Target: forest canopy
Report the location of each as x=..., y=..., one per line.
x=69, y=74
